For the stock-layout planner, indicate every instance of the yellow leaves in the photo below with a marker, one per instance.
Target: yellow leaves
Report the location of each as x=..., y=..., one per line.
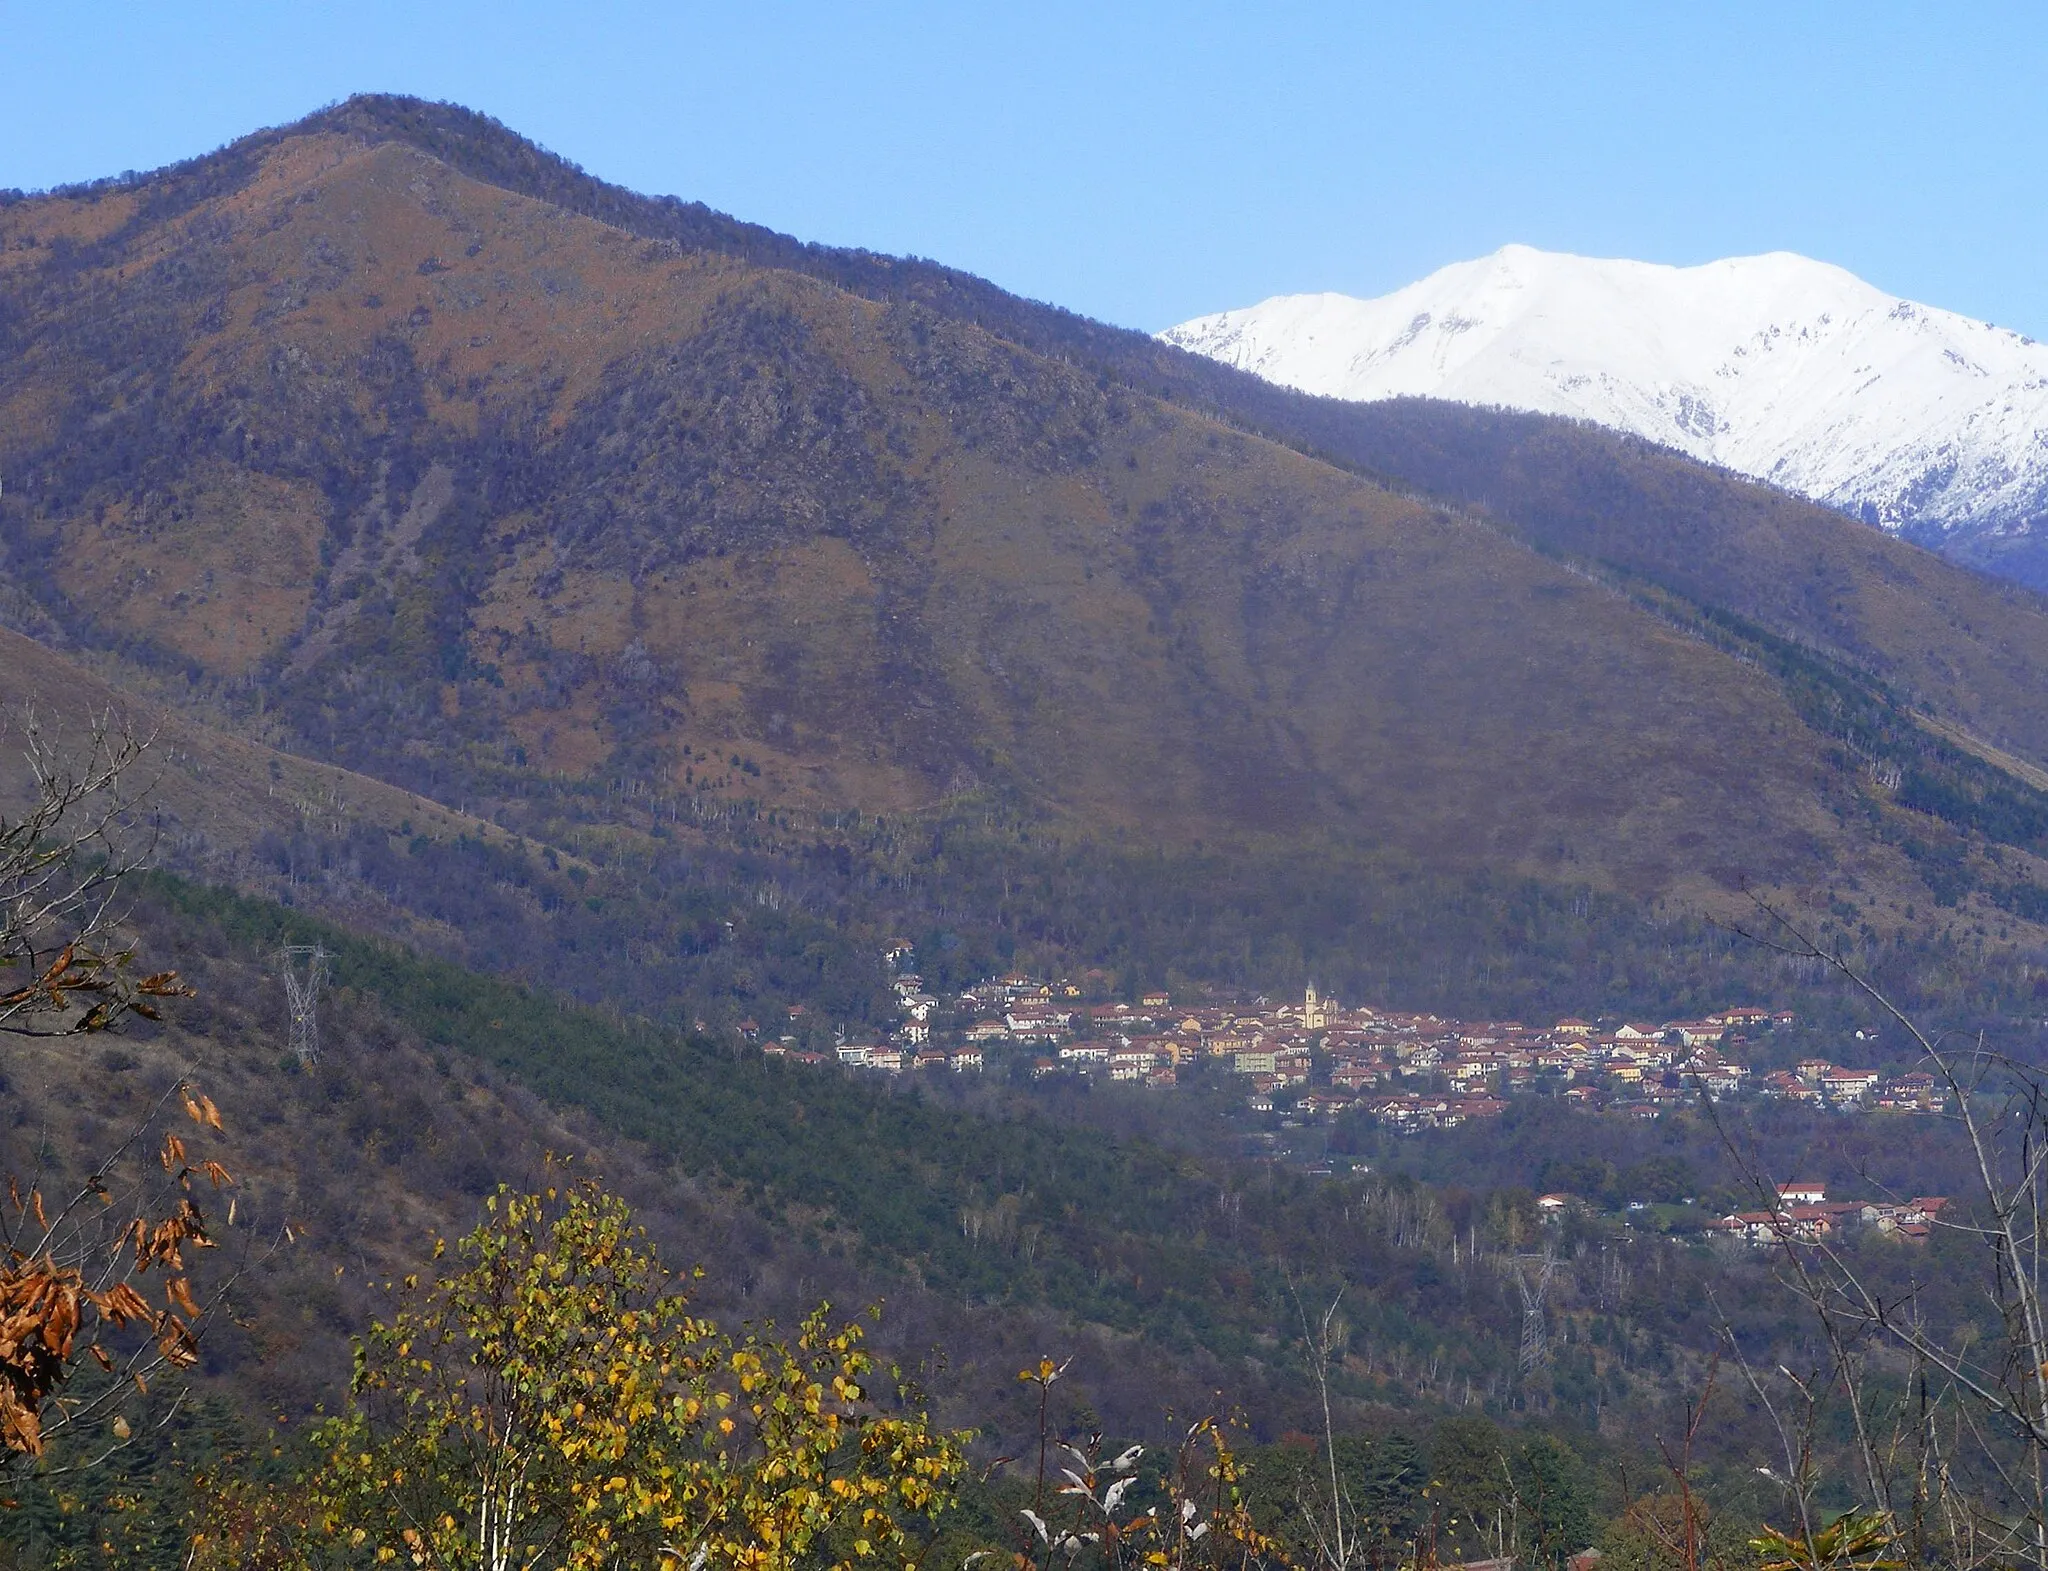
x=1045, y=1374
x=558, y=1349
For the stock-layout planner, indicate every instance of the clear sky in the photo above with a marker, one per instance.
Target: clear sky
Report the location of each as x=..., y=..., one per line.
x=1147, y=162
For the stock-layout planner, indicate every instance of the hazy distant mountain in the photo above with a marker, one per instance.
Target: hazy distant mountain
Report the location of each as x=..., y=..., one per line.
x=1925, y=422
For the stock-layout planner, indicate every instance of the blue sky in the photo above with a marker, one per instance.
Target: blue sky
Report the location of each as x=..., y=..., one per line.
x=1147, y=162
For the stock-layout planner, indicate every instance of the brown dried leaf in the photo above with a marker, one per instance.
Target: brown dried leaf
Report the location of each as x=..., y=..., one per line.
x=121, y=1304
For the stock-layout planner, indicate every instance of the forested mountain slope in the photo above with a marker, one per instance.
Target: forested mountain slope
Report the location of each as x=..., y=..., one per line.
x=1971, y=648
x=996, y=1229
x=479, y=495
x=1963, y=646
x=744, y=607
x=704, y=919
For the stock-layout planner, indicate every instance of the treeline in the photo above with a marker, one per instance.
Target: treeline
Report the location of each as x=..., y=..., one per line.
x=747, y=915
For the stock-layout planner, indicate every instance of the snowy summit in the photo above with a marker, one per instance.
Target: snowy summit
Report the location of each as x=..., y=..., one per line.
x=1778, y=367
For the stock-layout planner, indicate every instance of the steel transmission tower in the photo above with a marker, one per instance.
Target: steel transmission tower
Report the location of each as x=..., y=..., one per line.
x=1535, y=1332
x=305, y=973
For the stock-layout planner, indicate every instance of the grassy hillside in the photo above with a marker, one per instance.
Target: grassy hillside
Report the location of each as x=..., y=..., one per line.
x=210, y=794
x=701, y=918
x=1967, y=647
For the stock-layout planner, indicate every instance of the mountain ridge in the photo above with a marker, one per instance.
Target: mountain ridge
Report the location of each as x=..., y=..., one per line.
x=1775, y=366
x=464, y=489
x=1404, y=441
x=1002, y=474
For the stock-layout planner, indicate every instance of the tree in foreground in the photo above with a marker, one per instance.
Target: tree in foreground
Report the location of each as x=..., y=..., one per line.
x=552, y=1401
x=1936, y=1366
x=1093, y=1512
x=95, y=1269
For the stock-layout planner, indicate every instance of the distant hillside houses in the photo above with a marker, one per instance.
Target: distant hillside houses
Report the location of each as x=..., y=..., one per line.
x=1805, y=1215
x=1320, y=1058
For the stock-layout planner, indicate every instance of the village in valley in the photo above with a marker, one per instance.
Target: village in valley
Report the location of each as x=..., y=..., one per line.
x=1318, y=1058
x=1301, y=1063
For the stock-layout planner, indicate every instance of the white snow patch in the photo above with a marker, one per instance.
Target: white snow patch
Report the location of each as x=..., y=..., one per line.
x=1774, y=366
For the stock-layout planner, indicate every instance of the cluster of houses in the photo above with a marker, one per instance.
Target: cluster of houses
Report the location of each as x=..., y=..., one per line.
x=1317, y=1058
x=1804, y=1214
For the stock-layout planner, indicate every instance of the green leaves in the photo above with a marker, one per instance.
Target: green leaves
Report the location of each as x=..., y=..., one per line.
x=1854, y=1541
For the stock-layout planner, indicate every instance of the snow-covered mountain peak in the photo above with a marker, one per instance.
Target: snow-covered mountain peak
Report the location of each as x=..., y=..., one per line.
x=1776, y=366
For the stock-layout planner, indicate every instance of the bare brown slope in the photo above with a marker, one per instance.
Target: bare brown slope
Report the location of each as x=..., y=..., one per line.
x=212, y=796
x=478, y=491
x=1973, y=650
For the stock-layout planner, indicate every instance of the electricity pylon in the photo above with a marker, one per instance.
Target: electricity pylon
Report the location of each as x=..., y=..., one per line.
x=305, y=973
x=1535, y=1331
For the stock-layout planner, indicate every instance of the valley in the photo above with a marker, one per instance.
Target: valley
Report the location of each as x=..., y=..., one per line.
x=864, y=765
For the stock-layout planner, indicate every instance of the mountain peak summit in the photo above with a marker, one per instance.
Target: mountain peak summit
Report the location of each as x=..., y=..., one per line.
x=1776, y=366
